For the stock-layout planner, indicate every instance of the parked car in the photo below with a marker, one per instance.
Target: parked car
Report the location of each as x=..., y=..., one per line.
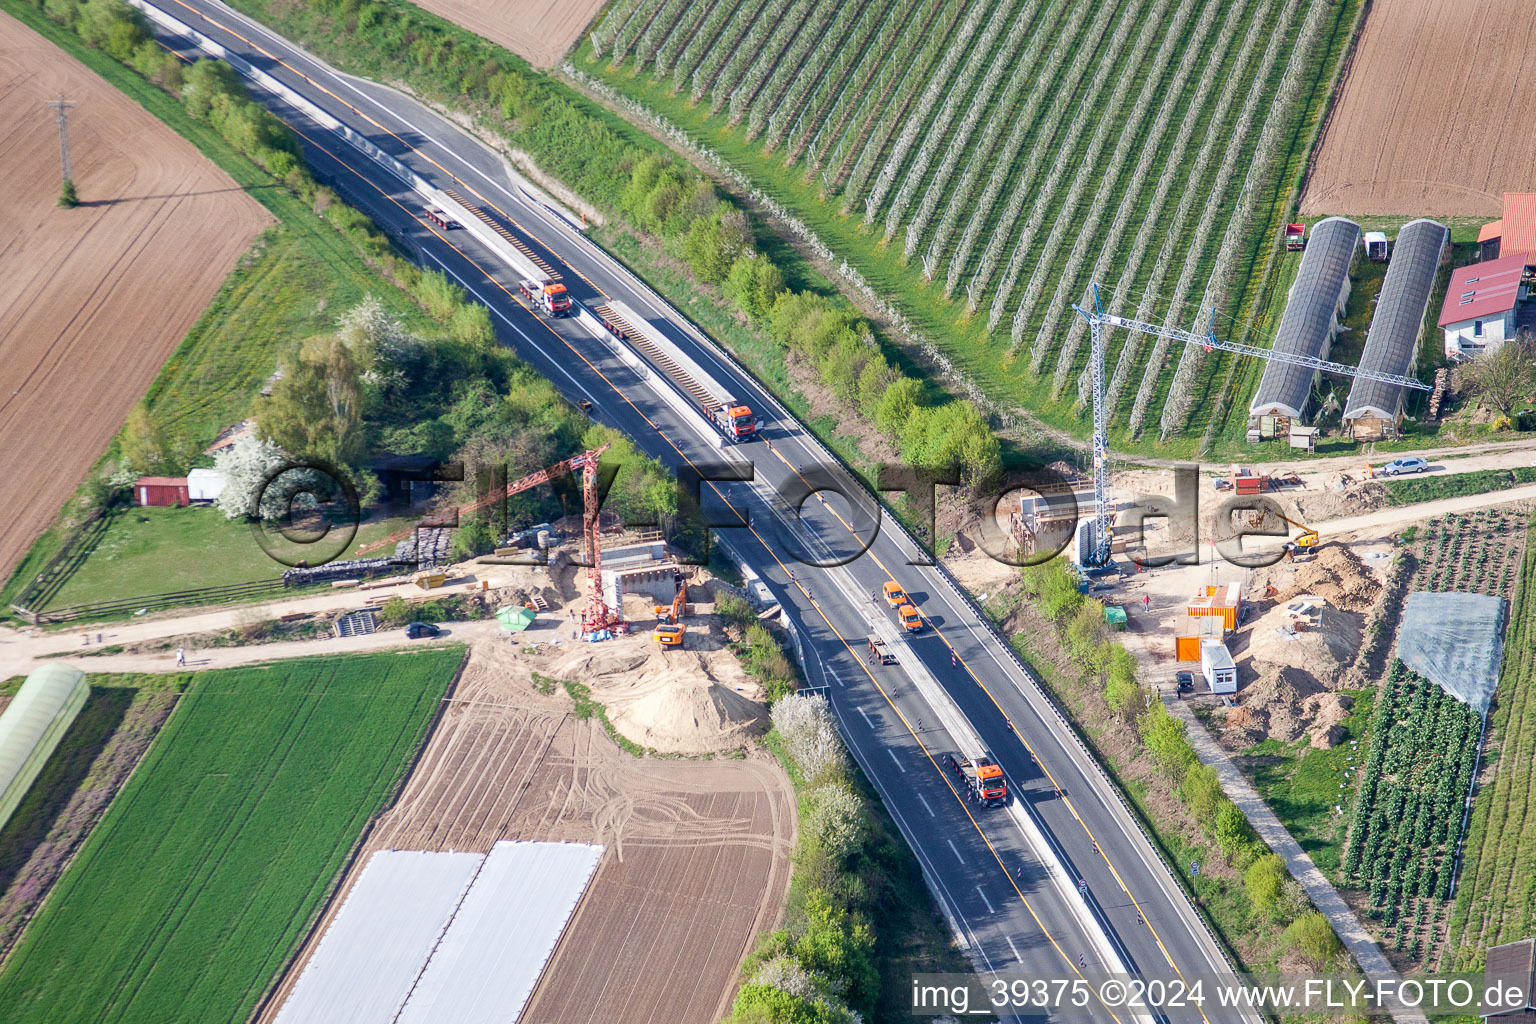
x=422, y=631
x=1411, y=464
x=1186, y=682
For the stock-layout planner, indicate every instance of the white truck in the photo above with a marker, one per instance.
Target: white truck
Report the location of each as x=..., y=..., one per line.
x=732, y=418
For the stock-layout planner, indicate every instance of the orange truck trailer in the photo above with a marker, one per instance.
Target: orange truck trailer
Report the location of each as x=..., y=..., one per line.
x=548, y=296
x=982, y=778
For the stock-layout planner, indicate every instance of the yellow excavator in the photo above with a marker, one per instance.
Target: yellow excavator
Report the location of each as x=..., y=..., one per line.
x=669, y=631
x=1305, y=541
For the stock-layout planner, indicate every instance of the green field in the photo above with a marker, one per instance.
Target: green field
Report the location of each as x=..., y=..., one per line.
x=1496, y=890
x=146, y=551
x=205, y=872
x=973, y=166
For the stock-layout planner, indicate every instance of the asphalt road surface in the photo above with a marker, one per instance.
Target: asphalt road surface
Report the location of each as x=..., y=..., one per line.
x=1013, y=900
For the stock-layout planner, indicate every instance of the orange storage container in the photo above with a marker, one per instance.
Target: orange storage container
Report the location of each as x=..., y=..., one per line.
x=1187, y=648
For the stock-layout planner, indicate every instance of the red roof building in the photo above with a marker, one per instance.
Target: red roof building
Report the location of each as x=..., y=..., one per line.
x=1479, y=307
x=1516, y=232
x=161, y=491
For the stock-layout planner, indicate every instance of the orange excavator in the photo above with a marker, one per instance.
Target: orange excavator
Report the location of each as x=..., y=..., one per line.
x=596, y=616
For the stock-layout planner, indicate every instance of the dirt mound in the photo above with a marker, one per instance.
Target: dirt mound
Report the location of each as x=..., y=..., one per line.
x=690, y=719
x=695, y=701
x=1328, y=712
x=1321, y=645
x=1333, y=574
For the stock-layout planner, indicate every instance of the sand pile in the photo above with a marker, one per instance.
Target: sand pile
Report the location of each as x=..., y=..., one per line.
x=1334, y=574
x=679, y=702
x=1321, y=645
x=690, y=719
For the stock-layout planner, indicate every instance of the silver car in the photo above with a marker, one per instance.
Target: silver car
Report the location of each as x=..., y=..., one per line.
x=1411, y=464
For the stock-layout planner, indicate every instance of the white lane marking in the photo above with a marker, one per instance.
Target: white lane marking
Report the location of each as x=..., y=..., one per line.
x=990, y=908
x=867, y=718
x=903, y=767
x=1009, y=940
x=955, y=851
x=926, y=807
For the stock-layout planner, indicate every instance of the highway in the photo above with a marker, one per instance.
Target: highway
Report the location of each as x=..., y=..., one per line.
x=1008, y=877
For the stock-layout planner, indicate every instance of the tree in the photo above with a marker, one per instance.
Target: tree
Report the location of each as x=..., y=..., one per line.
x=1231, y=829
x=753, y=284
x=1164, y=736
x=245, y=465
x=1312, y=936
x=1201, y=791
x=316, y=409
x=143, y=443
x=1504, y=377
x=1264, y=882
x=68, y=198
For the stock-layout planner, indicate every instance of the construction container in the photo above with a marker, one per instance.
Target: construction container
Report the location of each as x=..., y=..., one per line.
x=1187, y=648
x=1218, y=668
x=1223, y=602
x=430, y=579
x=1115, y=616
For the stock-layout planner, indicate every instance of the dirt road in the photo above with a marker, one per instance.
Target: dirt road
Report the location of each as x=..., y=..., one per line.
x=92, y=300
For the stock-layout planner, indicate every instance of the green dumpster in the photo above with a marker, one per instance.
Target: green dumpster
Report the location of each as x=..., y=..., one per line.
x=1115, y=616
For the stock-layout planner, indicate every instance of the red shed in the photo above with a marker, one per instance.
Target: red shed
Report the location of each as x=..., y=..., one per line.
x=160, y=491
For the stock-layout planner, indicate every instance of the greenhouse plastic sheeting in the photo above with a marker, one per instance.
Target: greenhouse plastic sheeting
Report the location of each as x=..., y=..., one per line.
x=1457, y=640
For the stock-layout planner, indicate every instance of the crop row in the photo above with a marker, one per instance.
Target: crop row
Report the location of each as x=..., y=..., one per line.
x=1148, y=159
x=978, y=104
x=1045, y=86
x=1496, y=900
x=196, y=885
x=1044, y=142
x=1019, y=149
x=1087, y=231
x=1408, y=817
x=1172, y=166
x=1180, y=225
x=937, y=132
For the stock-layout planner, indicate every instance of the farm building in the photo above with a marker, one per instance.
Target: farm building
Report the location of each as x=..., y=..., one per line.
x=1512, y=967
x=1375, y=409
x=161, y=491
x=204, y=484
x=1514, y=233
x=1479, y=309
x=1311, y=319
x=1376, y=246
x=31, y=727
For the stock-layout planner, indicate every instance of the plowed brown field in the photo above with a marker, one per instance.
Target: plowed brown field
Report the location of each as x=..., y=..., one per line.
x=1434, y=114
x=539, y=31
x=696, y=859
x=92, y=300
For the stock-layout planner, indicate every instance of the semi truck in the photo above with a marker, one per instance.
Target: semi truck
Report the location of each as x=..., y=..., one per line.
x=549, y=297
x=730, y=416
x=982, y=779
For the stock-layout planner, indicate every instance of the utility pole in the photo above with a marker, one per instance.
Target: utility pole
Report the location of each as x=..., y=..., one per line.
x=67, y=189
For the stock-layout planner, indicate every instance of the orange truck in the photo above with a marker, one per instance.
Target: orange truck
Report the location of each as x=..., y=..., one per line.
x=547, y=296
x=906, y=611
x=983, y=779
